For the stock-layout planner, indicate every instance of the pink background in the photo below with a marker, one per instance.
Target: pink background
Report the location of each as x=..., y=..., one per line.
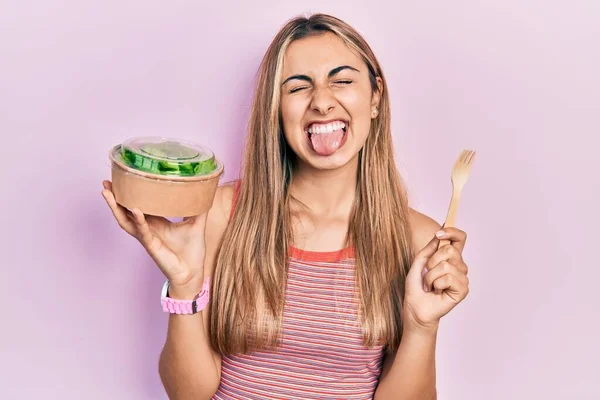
x=515, y=80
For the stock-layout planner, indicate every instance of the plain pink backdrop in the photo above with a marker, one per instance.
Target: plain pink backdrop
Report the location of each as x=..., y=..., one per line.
x=516, y=80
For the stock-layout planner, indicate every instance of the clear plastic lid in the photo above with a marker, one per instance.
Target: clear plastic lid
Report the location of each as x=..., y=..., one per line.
x=167, y=156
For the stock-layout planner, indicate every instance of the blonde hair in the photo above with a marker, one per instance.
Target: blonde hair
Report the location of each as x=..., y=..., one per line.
x=251, y=271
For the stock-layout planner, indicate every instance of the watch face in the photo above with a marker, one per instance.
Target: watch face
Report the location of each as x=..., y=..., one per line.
x=165, y=290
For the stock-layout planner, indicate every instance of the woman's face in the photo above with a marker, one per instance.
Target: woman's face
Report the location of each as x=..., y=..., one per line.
x=327, y=102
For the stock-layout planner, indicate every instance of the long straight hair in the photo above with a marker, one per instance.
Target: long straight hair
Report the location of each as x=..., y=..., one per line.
x=251, y=270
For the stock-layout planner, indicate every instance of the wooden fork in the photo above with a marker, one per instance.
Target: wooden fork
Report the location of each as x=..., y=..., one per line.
x=460, y=175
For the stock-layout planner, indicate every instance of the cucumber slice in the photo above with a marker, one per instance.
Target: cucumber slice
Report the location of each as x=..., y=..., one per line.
x=167, y=157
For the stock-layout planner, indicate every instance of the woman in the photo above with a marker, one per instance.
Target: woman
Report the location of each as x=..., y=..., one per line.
x=314, y=257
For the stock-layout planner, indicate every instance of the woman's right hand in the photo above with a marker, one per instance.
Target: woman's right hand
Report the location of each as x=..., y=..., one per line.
x=178, y=248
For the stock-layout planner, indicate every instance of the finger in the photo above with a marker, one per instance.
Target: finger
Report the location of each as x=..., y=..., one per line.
x=439, y=270
x=426, y=252
x=191, y=220
x=457, y=237
x=154, y=220
x=443, y=242
x=119, y=212
x=418, y=269
x=463, y=268
x=446, y=253
x=456, y=287
x=442, y=283
x=149, y=241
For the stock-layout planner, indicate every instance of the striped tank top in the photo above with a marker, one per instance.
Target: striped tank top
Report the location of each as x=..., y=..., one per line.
x=321, y=355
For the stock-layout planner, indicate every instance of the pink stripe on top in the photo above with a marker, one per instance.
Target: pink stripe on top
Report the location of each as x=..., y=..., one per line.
x=321, y=353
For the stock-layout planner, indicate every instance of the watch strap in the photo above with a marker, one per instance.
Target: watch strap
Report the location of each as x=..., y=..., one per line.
x=175, y=306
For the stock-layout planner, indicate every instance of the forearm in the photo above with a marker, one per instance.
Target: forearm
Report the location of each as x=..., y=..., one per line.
x=187, y=365
x=412, y=375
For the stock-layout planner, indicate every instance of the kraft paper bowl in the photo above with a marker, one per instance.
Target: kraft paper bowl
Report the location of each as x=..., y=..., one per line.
x=168, y=194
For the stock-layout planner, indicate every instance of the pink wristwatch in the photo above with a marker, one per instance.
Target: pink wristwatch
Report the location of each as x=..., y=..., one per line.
x=185, y=306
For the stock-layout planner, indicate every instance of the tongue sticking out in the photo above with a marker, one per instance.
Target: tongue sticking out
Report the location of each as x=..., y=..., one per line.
x=326, y=144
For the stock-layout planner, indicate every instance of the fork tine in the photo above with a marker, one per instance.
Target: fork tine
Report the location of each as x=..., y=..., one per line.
x=471, y=157
x=467, y=155
x=461, y=157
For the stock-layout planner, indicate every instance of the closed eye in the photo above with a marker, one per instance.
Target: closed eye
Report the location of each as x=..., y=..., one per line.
x=294, y=90
x=340, y=82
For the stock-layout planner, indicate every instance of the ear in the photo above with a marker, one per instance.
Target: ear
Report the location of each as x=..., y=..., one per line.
x=376, y=98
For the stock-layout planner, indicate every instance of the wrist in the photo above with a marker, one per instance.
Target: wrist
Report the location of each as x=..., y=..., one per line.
x=413, y=326
x=421, y=330
x=186, y=291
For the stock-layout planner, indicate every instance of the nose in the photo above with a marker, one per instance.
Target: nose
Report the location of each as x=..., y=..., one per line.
x=323, y=101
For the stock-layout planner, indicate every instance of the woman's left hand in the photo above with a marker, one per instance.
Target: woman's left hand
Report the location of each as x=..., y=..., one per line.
x=437, y=281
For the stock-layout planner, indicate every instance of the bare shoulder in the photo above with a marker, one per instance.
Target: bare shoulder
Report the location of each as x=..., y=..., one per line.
x=423, y=228
x=216, y=223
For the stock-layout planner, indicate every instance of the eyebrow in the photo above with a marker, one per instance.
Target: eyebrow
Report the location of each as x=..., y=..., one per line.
x=331, y=73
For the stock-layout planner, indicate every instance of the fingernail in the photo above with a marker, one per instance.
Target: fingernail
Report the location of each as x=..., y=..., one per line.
x=440, y=234
x=425, y=287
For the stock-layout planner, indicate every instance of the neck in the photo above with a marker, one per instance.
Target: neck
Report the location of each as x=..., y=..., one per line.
x=326, y=192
